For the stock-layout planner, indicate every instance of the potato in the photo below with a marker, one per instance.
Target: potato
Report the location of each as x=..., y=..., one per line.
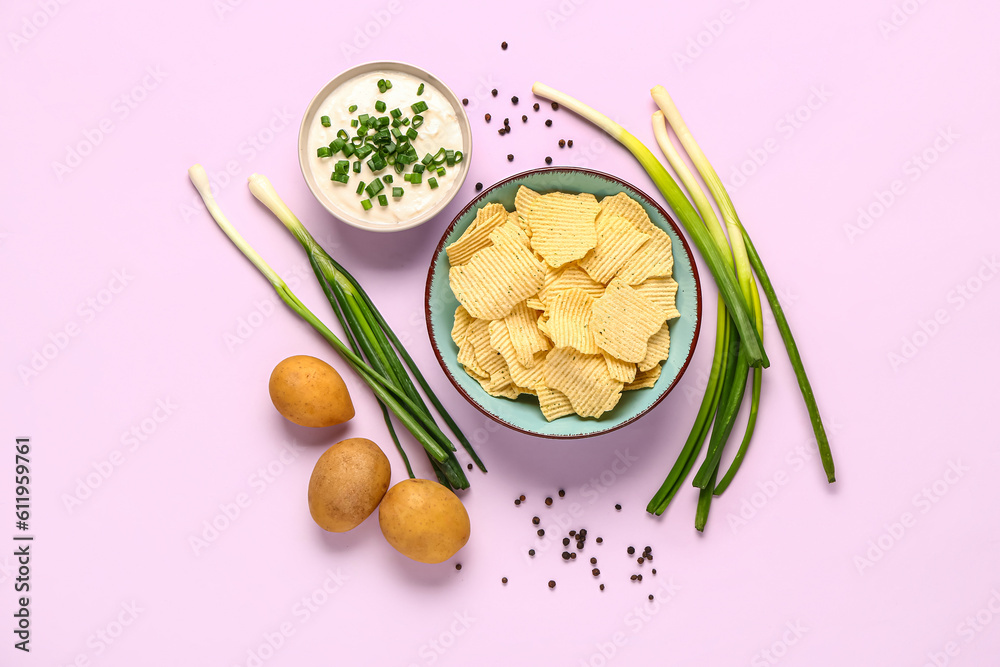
x=423, y=520
x=310, y=392
x=347, y=484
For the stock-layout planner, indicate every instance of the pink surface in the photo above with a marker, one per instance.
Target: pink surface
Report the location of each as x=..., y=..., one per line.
x=115, y=248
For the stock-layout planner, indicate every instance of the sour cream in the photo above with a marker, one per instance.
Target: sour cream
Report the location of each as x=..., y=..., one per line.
x=440, y=129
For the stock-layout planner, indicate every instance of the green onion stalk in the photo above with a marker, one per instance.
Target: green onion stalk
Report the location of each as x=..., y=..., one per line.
x=734, y=263
x=368, y=335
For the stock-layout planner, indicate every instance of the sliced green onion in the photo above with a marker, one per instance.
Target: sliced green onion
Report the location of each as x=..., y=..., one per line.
x=325, y=121
x=352, y=108
x=420, y=89
x=383, y=121
x=357, y=166
x=416, y=179
x=348, y=149
x=339, y=178
x=387, y=178
x=441, y=171
x=361, y=187
x=336, y=145
x=381, y=85
x=342, y=166
x=383, y=200
x=374, y=187
x=449, y=157
x=433, y=182
x=397, y=192
x=342, y=134
x=396, y=113
x=419, y=107
x=323, y=151
x=366, y=204
x=418, y=168
x=459, y=156
x=363, y=151
x=408, y=177
x=418, y=120
x=363, y=119
x=379, y=106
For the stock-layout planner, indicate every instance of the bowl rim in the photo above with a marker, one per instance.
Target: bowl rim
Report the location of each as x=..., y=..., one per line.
x=438, y=253
x=356, y=70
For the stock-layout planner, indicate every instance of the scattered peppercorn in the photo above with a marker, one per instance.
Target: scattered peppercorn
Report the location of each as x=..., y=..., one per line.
x=618, y=507
x=503, y=45
x=562, y=143
x=535, y=106
x=522, y=498
x=517, y=502
x=513, y=100
x=600, y=539
x=548, y=123
x=565, y=541
x=488, y=117
x=510, y=157
x=493, y=92
x=458, y=566
x=504, y=580
x=640, y=560
x=573, y=555
x=631, y=550
x=465, y=101
x=552, y=583
x=479, y=186
x=602, y=587
x=639, y=577
x=555, y=106
x=593, y=561
x=572, y=533
x=548, y=501
x=650, y=597
x=470, y=466
x=531, y=552
x=536, y=520
x=579, y=545
x=633, y=577
x=548, y=160
x=541, y=532
x=565, y=555
x=570, y=143
x=595, y=572
x=501, y=131
x=562, y=494
x=654, y=570
x=524, y=119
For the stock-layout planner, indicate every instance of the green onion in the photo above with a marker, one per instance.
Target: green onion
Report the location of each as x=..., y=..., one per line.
x=363, y=151
x=363, y=119
x=441, y=171
x=336, y=145
x=379, y=106
x=366, y=204
x=396, y=113
x=357, y=166
x=323, y=151
x=408, y=177
x=352, y=108
x=459, y=156
x=418, y=120
x=416, y=179
x=387, y=178
x=419, y=107
x=325, y=121
x=383, y=200
x=420, y=89
x=397, y=192
x=418, y=168
x=339, y=178
x=432, y=182
x=381, y=85
x=361, y=187
x=374, y=187
x=411, y=134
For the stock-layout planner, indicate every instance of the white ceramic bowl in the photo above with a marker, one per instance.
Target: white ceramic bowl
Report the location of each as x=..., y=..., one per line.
x=307, y=151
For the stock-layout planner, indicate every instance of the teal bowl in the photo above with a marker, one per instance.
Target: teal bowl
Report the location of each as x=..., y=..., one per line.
x=524, y=414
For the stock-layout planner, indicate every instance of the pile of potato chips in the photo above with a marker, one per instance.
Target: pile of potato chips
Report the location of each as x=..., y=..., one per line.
x=566, y=298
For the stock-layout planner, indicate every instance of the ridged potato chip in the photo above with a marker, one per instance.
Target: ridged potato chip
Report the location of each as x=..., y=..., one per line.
x=569, y=321
x=477, y=236
x=645, y=379
x=563, y=226
x=623, y=371
x=584, y=379
x=554, y=403
x=654, y=257
x=462, y=322
x=617, y=240
x=569, y=277
x=497, y=278
x=523, y=200
x=490, y=361
x=522, y=325
x=662, y=292
x=520, y=375
x=623, y=320
x=657, y=348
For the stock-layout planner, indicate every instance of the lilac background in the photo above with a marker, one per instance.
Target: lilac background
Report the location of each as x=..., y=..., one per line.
x=229, y=82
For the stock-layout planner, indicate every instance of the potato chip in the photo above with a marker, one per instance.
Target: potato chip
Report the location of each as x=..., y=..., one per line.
x=623, y=320
x=534, y=303
x=662, y=292
x=654, y=257
x=584, y=379
x=523, y=200
x=543, y=324
x=477, y=236
x=462, y=322
x=553, y=403
x=507, y=391
x=569, y=277
x=517, y=232
x=490, y=361
x=645, y=379
x=569, y=321
x=623, y=371
x=522, y=326
x=657, y=348
x=520, y=375
x=497, y=278
x=563, y=226
x=617, y=240
x=521, y=222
